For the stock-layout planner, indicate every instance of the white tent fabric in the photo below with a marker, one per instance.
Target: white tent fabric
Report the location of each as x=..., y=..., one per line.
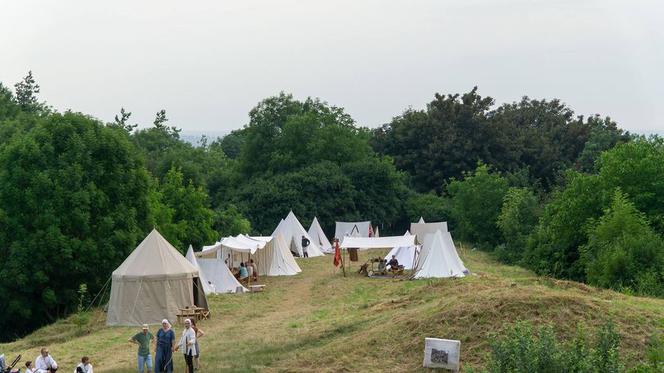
x=388, y=242
x=275, y=259
x=191, y=257
x=219, y=275
x=318, y=236
x=421, y=221
x=376, y=232
x=292, y=231
x=438, y=258
x=153, y=283
x=357, y=229
x=422, y=229
x=406, y=255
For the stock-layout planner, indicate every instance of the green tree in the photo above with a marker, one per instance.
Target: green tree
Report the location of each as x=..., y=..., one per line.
x=429, y=206
x=518, y=217
x=624, y=252
x=476, y=203
x=187, y=206
x=26, y=93
x=122, y=121
x=73, y=204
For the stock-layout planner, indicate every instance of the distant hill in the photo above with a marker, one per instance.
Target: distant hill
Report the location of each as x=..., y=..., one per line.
x=322, y=321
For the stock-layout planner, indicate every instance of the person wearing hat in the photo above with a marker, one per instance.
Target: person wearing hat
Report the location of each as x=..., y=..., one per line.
x=165, y=346
x=143, y=340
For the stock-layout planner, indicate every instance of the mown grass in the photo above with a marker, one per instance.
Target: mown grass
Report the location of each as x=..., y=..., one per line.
x=322, y=321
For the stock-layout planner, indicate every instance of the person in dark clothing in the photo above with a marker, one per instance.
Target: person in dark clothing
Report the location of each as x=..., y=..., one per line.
x=305, y=245
x=393, y=263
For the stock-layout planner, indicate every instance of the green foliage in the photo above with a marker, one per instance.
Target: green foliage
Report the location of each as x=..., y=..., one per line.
x=428, y=206
x=554, y=245
x=524, y=350
x=624, y=252
x=229, y=221
x=73, y=202
x=26, y=94
x=518, y=217
x=476, y=203
x=122, y=121
x=182, y=212
x=232, y=143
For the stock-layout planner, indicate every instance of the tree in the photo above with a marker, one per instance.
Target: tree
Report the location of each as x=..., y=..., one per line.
x=623, y=252
x=159, y=122
x=476, y=202
x=121, y=121
x=429, y=206
x=8, y=107
x=74, y=203
x=518, y=217
x=186, y=207
x=26, y=93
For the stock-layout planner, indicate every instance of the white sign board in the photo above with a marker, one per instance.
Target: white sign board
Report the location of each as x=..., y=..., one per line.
x=442, y=353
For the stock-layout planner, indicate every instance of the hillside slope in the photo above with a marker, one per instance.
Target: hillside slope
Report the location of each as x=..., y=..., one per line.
x=321, y=321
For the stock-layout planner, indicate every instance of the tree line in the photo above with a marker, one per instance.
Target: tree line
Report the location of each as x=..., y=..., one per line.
x=566, y=195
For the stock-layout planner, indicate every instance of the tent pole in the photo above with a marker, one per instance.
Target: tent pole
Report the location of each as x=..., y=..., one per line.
x=343, y=263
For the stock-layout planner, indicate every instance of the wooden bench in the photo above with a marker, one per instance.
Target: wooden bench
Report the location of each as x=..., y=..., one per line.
x=256, y=288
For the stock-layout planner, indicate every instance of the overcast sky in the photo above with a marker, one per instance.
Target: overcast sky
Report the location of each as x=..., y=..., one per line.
x=209, y=62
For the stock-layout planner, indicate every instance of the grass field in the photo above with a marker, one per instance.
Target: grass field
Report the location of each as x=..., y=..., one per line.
x=321, y=321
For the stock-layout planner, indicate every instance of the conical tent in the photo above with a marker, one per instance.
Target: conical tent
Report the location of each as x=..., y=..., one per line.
x=438, y=259
x=421, y=221
x=153, y=283
x=318, y=236
x=191, y=257
x=376, y=232
x=293, y=231
x=423, y=229
x=406, y=255
x=220, y=278
x=275, y=259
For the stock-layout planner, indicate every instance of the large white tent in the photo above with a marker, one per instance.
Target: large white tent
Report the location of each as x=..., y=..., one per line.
x=422, y=229
x=292, y=231
x=356, y=229
x=153, y=283
x=318, y=236
x=438, y=258
x=387, y=242
x=214, y=274
x=275, y=259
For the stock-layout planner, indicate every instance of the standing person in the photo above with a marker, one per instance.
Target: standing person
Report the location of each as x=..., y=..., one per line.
x=143, y=340
x=84, y=366
x=44, y=363
x=254, y=271
x=305, y=245
x=165, y=346
x=199, y=333
x=188, y=345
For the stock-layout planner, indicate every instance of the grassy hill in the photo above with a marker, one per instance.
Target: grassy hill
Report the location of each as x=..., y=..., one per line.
x=321, y=321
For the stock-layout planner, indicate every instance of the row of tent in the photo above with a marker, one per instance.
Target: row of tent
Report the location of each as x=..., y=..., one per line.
x=155, y=281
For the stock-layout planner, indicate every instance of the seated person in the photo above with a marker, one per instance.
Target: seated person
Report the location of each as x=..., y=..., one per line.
x=244, y=274
x=393, y=263
x=84, y=366
x=44, y=363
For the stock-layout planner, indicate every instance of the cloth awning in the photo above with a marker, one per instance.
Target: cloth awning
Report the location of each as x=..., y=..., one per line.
x=377, y=242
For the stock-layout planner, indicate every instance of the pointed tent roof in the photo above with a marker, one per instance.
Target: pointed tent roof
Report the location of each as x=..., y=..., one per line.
x=318, y=236
x=293, y=231
x=438, y=258
x=276, y=259
x=216, y=271
x=423, y=229
x=155, y=258
x=191, y=257
x=421, y=221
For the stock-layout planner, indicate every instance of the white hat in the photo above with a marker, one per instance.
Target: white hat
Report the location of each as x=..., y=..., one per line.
x=145, y=326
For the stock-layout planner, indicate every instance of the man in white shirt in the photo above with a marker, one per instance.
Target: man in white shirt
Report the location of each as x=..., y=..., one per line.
x=44, y=363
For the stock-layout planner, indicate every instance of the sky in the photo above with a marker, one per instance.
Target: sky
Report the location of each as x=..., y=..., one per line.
x=209, y=62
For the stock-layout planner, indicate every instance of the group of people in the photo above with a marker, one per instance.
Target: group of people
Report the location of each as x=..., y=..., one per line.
x=44, y=363
x=165, y=344
x=247, y=269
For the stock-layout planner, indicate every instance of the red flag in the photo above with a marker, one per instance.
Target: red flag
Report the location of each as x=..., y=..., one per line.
x=337, y=253
x=370, y=231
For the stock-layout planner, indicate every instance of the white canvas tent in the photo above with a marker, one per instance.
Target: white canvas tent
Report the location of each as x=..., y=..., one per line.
x=422, y=229
x=271, y=255
x=214, y=274
x=438, y=258
x=406, y=255
x=318, y=236
x=388, y=242
x=153, y=283
x=356, y=229
x=292, y=231
x=376, y=232
x=421, y=221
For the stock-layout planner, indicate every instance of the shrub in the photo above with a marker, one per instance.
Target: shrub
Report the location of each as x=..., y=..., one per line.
x=518, y=217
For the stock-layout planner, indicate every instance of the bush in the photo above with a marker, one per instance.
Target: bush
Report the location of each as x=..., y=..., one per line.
x=524, y=350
